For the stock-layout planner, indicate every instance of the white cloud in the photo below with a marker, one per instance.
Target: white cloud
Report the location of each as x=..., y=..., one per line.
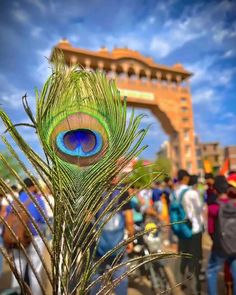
x=36, y=31
x=191, y=25
x=151, y=20
x=222, y=132
x=147, y=23
x=229, y=115
x=39, y=4
x=229, y=53
x=43, y=68
x=204, y=96
x=225, y=77
x=175, y=34
x=12, y=100
x=161, y=47
x=129, y=40
x=208, y=99
x=221, y=35
x=149, y=119
x=10, y=96
x=21, y=15
x=206, y=74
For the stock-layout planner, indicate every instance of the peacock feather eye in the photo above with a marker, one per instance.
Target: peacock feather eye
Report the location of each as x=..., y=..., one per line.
x=79, y=142
x=80, y=139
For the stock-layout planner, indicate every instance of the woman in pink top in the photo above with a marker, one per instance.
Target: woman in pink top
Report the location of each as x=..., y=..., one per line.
x=217, y=257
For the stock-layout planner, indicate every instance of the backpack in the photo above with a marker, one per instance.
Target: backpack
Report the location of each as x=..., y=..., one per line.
x=225, y=229
x=112, y=232
x=22, y=235
x=177, y=214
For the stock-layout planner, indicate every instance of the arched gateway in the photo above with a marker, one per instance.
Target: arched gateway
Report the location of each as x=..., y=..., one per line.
x=162, y=89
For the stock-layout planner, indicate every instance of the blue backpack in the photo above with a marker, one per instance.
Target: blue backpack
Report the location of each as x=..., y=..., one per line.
x=113, y=231
x=177, y=214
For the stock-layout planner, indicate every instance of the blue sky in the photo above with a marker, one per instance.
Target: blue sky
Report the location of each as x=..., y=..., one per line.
x=199, y=34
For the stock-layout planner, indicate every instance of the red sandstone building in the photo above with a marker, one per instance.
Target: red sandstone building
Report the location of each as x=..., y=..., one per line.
x=162, y=89
x=230, y=153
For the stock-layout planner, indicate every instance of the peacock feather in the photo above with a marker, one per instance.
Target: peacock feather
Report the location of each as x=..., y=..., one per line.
x=82, y=126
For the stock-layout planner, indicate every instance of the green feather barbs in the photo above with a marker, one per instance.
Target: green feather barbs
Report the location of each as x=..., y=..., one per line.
x=74, y=114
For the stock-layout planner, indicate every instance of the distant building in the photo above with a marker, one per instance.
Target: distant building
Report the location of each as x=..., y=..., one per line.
x=230, y=153
x=198, y=147
x=164, y=151
x=214, y=153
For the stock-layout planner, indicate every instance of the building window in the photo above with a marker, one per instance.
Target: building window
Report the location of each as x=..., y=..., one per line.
x=186, y=134
x=199, y=163
x=176, y=149
x=189, y=167
x=188, y=151
x=199, y=152
x=183, y=99
x=184, y=109
x=185, y=119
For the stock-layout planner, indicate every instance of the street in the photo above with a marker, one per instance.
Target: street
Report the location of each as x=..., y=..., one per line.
x=142, y=285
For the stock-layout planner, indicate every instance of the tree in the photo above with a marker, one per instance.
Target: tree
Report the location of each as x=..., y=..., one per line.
x=4, y=172
x=163, y=164
x=142, y=173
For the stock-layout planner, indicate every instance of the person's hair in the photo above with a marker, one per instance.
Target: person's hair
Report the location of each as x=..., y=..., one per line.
x=14, y=187
x=231, y=192
x=193, y=180
x=181, y=174
x=167, y=179
x=221, y=184
x=28, y=182
x=232, y=172
x=209, y=176
x=157, y=182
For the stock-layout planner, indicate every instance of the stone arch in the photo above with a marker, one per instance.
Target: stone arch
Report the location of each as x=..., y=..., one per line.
x=159, y=88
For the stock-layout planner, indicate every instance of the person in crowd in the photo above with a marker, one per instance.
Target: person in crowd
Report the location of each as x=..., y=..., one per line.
x=217, y=258
x=195, y=213
x=49, y=205
x=113, y=233
x=19, y=257
x=161, y=204
x=147, y=208
x=168, y=188
x=210, y=195
x=136, y=204
x=156, y=196
x=231, y=195
x=193, y=209
x=2, y=214
x=15, y=190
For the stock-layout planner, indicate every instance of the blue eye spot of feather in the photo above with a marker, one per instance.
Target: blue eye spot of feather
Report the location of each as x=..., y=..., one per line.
x=79, y=142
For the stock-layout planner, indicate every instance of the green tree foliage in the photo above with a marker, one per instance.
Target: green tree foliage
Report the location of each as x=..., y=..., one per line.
x=144, y=173
x=141, y=173
x=163, y=164
x=4, y=172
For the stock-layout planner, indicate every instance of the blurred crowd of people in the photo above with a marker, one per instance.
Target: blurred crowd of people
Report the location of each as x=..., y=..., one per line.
x=203, y=203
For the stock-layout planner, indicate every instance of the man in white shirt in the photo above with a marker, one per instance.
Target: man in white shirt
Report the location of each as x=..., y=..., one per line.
x=193, y=208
